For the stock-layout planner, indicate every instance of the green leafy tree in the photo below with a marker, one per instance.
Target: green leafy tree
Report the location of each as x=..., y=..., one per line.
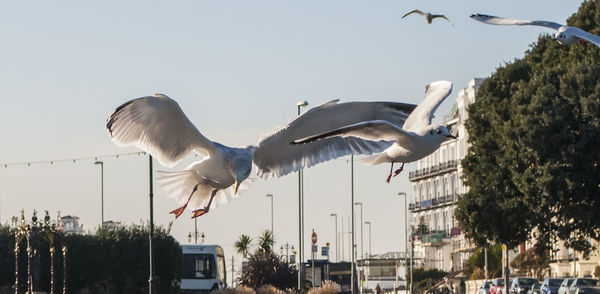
x=242, y=245
x=424, y=279
x=533, y=166
x=476, y=265
x=266, y=241
x=266, y=268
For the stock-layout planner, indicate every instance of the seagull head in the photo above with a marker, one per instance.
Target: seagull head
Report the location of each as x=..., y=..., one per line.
x=564, y=37
x=242, y=166
x=441, y=133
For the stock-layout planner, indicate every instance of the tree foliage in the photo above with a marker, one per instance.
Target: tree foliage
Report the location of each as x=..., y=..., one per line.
x=476, y=265
x=424, y=279
x=242, y=245
x=266, y=268
x=109, y=261
x=533, y=167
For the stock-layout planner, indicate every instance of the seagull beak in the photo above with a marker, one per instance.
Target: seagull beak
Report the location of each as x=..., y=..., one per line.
x=450, y=137
x=237, y=185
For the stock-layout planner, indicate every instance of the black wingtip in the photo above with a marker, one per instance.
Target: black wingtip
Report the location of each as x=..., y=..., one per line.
x=113, y=117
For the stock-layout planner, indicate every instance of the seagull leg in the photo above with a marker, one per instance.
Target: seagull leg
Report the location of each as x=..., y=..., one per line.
x=390, y=175
x=399, y=170
x=203, y=211
x=177, y=212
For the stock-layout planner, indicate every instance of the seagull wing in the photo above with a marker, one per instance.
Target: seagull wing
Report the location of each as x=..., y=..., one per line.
x=157, y=125
x=375, y=130
x=277, y=156
x=495, y=20
x=442, y=16
x=414, y=11
x=421, y=117
x=586, y=36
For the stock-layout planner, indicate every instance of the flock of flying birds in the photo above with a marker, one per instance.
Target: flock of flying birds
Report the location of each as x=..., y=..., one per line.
x=388, y=132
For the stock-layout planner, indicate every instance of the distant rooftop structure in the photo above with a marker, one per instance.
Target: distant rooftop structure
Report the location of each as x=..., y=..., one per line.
x=112, y=225
x=70, y=225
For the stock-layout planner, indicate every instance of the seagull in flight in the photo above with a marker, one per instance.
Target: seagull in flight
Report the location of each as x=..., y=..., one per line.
x=157, y=125
x=417, y=138
x=428, y=16
x=565, y=35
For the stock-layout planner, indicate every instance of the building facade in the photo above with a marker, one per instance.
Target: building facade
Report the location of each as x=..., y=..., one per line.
x=437, y=184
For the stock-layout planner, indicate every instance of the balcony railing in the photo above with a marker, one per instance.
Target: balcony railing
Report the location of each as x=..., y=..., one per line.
x=432, y=170
x=430, y=203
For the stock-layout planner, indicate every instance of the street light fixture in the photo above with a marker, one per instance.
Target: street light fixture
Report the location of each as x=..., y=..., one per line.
x=337, y=251
x=361, y=229
x=361, y=242
x=271, y=196
x=406, y=239
x=369, y=223
x=101, y=191
x=300, y=213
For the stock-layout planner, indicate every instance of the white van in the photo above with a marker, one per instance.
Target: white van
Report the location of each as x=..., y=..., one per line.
x=203, y=268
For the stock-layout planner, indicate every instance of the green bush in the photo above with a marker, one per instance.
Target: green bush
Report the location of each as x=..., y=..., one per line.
x=108, y=261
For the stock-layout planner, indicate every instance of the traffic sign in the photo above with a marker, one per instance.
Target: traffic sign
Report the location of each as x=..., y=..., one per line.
x=314, y=237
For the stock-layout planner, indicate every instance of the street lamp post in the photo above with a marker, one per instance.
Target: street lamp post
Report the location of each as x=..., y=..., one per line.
x=352, y=224
x=300, y=213
x=361, y=229
x=361, y=244
x=271, y=196
x=101, y=191
x=337, y=251
x=369, y=223
x=406, y=237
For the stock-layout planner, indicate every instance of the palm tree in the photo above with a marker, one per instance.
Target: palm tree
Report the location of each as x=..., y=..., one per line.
x=243, y=245
x=266, y=241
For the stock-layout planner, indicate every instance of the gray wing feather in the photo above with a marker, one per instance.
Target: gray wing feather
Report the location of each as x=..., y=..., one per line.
x=276, y=156
x=370, y=130
x=414, y=11
x=495, y=20
x=157, y=125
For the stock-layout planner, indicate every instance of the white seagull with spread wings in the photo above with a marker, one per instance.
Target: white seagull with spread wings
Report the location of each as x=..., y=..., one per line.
x=428, y=16
x=413, y=141
x=157, y=125
x=565, y=35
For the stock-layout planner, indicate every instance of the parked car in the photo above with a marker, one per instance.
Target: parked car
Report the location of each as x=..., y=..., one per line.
x=550, y=286
x=497, y=286
x=564, y=286
x=522, y=285
x=584, y=286
x=485, y=287
x=535, y=288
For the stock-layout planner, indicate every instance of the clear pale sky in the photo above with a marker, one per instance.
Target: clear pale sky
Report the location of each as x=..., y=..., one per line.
x=237, y=68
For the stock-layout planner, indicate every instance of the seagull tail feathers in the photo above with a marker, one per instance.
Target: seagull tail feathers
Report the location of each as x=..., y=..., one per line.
x=374, y=159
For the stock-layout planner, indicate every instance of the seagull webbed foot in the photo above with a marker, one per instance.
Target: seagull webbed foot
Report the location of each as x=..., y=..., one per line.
x=177, y=212
x=200, y=212
x=398, y=171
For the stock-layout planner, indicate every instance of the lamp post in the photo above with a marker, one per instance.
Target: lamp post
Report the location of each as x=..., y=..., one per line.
x=151, y=285
x=271, y=196
x=369, y=223
x=361, y=229
x=195, y=235
x=300, y=213
x=337, y=251
x=406, y=237
x=368, y=271
x=361, y=244
x=352, y=250
x=101, y=191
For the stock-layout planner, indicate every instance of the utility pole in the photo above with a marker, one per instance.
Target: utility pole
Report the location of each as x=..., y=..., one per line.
x=232, y=269
x=485, y=257
x=151, y=237
x=506, y=268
